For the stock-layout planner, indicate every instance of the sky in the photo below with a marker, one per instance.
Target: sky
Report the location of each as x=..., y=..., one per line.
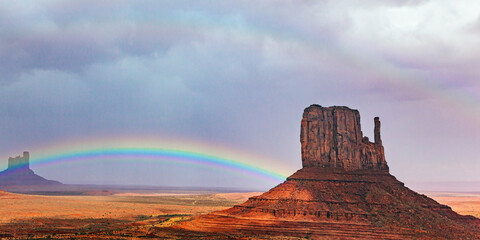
x=232, y=78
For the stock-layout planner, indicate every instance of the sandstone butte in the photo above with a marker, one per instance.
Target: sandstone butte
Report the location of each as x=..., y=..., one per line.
x=343, y=191
x=19, y=174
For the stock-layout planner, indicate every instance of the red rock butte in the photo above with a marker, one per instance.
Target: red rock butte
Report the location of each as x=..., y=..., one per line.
x=343, y=191
x=332, y=138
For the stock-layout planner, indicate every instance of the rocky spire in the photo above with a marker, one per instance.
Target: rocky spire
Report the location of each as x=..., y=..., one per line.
x=376, y=131
x=331, y=137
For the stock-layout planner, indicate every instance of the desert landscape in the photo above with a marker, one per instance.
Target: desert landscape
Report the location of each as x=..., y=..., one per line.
x=462, y=203
x=134, y=215
x=240, y=119
x=117, y=216
x=344, y=190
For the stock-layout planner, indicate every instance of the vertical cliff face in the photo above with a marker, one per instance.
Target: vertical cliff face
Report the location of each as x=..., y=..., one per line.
x=331, y=137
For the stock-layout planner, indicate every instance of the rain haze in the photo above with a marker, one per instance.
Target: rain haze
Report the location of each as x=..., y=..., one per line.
x=234, y=77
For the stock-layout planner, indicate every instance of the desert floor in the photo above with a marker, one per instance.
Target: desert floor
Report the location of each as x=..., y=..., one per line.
x=462, y=203
x=117, y=216
x=127, y=216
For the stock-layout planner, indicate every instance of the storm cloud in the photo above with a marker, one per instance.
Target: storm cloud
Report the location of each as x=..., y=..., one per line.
x=239, y=74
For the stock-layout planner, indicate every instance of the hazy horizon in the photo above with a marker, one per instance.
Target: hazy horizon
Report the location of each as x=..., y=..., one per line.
x=231, y=79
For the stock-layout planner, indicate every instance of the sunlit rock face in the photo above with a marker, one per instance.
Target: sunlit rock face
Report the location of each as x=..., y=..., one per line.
x=332, y=137
x=343, y=191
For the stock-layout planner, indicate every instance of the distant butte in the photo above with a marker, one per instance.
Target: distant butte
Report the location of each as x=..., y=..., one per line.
x=19, y=174
x=343, y=191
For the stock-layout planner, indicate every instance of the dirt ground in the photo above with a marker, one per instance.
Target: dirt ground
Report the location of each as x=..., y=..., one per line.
x=462, y=203
x=115, y=216
x=131, y=216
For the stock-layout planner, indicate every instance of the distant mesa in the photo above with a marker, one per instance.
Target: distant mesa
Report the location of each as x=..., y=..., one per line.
x=19, y=173
x=343, y=191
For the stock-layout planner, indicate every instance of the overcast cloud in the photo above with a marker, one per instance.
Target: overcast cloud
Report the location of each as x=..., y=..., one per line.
x=239, y=74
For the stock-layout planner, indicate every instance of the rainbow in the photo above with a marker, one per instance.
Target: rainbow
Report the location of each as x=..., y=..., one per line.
x=146, y=150
x=137, y=154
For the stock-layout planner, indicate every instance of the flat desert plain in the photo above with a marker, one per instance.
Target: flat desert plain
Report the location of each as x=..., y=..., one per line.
x=134, y=215
x=463, y=203
x=124, y=215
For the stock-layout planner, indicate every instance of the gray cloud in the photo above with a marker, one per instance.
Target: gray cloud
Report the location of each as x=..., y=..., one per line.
x=239, y=73
x=73, y=36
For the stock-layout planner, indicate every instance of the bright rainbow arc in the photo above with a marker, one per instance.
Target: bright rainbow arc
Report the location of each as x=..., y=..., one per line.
x=163, y=155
